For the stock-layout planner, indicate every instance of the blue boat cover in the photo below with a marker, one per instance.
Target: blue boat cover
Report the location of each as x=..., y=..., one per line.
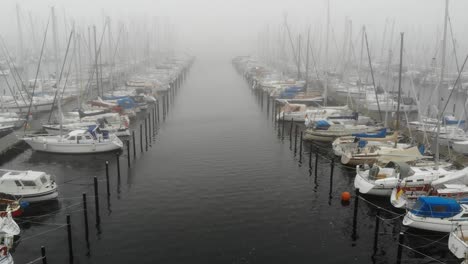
x=322, y=124
x=126, y=103
x=362, y=143
x=437, y=207
x=381, y=134
x=114, y=97
x=450, y=121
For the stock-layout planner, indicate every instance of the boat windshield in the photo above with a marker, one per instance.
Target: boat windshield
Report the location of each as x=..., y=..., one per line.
x=43, y=179
x=29, y=183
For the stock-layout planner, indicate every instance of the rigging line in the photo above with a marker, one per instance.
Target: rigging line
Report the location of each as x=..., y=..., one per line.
x=11, y=90
x=7, y=59
x=38, y=69
x=66, y=78
x=372, y=74
x=453, y=87
x=42, y=233
x=98, y=53
x=407, y=247
x=57, y=83
x=35, y=260
x=15, y=70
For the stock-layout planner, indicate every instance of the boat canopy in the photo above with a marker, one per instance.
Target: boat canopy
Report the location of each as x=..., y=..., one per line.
x=437, y=207
x=402, y=155
x=400, y=167
x=381, y=134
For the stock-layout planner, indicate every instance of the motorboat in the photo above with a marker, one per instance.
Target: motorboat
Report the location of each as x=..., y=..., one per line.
x=29, y=186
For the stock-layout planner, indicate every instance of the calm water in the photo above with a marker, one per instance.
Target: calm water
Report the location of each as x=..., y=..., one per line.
x=217, y=186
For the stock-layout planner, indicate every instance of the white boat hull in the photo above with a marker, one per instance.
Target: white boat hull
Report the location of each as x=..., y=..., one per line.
x=57, y=147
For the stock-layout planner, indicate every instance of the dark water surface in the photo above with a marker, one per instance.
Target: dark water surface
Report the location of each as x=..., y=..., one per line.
x=217, y=186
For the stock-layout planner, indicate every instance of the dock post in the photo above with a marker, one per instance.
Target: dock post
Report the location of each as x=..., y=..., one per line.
x=300, y=148
x=316, y=162
x=141, y=137
x=290, y=129
x=69, y=233
x=146, y=133
x=154, y=118
x=128, y=152
x=376, y=232
x=268, y=105
x=401, y=236
x=157, y=110
x=356, y=205
x=85, y=215
x=96, y=201
x=133, y=141
x=107, y=178
x=43, y=255
x=149, y=128
x=118, y=166
x=282, y=124
x=295, y=140
x=310, y=156
x=332, y=167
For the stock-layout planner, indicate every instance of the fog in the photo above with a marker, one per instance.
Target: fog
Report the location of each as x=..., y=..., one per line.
x=232, y=27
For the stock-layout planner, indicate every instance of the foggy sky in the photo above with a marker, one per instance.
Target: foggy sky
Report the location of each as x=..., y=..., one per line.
x=213, y=26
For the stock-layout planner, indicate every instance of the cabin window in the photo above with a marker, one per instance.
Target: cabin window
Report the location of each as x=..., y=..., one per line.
x=18, y=183
x=420, y=180
x=29, y=183
x=72, y=138
x=423, y=169
x=439, y=208
x=43, y=180
x=78, y=138
x=88, y=137
x=464, y=215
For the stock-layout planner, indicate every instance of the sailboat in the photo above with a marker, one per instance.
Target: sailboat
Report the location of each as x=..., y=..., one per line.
x=91, y=140
x=437, y=214
x=8, y=230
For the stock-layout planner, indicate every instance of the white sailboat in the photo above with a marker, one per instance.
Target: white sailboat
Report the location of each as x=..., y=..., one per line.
x=437, y=214
x=76, y=142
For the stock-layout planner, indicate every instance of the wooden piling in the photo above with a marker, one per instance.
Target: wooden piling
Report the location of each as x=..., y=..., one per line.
x=43, y=255
x=134, y=145
x=85, y=216
x=316, y=162
x=69, y=235
x=146, y=134
x=141, y=137
x=401, y=236
x=376, y=231
x=117, y=158
x=128, y=152
x=107, y=178
x=96, y=201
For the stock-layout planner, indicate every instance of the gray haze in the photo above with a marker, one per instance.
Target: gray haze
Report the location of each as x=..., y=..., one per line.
x=232, y=27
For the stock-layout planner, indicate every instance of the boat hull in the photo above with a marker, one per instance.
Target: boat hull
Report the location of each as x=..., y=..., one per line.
x=74, y=149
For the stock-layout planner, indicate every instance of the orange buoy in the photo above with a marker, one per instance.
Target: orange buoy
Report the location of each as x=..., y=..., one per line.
x=345, y=196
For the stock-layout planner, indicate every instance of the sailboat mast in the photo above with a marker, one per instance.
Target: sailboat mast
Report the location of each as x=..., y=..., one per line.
x=54, y=32
x=325, y=91
x=397, y=127
x=307, y=60
x=20, y=42
x=439, y=90
x=299, y=57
